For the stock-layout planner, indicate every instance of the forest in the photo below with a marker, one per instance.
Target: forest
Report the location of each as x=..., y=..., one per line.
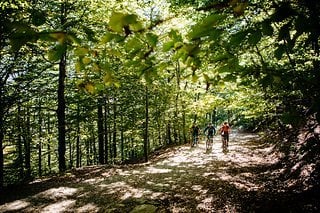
x=111, y=82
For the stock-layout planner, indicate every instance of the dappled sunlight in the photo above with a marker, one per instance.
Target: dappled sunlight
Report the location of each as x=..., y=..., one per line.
x=57, y=193
x=61, y=206
x=183, y=179
x=90, y=207
x=17, y=205
x=124, y=190
x=205, y=205
x=93, y=180
x=153, y=170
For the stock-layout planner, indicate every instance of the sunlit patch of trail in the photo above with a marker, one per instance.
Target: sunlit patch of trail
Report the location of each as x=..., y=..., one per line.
x=182, y=180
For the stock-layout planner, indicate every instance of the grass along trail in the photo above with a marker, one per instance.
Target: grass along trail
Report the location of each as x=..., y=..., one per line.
x=182, y=179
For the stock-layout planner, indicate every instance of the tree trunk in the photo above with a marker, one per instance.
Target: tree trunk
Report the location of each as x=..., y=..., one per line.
x=1, y=149
x=49, y=146
x=184, y=128
x=61, y=111
x=88, y=151
x=100, y=132
x=106, y=141
x=61, y=115
x=70, y=150
x=40, y=143
x=20, y=151
x=122, y=138
x=27, y=146
x=78, y=162
x=146, y=138
x=114, y=143
x=169, y=139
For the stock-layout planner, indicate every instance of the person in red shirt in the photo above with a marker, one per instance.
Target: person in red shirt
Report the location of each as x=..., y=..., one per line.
x=225, y=131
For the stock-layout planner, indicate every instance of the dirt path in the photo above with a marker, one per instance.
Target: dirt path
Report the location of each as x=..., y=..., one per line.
x=183, y=179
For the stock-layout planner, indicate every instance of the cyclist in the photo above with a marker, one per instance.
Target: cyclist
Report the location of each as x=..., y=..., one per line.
x=211, y=131
x=225, y=131
x=195, y=130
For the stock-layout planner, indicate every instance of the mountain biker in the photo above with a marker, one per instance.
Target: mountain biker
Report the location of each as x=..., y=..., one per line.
x=211, y=130
x=195, y=130
x=225, y=131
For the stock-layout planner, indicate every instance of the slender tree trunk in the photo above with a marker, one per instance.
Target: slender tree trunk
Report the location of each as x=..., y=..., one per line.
x=214, y=118
x=61, y=115
x=49, y=146
x=88, y=151
x=27, y=146
x=94, y=148
x=1, y=147
x=114, y=143
x=122, y=138
x=61, y=111
x=20, y=151
x=159, y=133
x=78, y=164
x=1, y=158
x=146, y=138
x=110, y=136
x=106, y=141
x=70, y=150
x=169, y=139
x=100, y=132
x=40, y=143
x=185, y=140
x=176, y=112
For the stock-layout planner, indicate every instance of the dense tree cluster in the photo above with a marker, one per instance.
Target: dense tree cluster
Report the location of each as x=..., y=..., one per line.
x=99, y=82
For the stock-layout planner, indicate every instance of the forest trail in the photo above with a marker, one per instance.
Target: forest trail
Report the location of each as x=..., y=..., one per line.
x=181, y=179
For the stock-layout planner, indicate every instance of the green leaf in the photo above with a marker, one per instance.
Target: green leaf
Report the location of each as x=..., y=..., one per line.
x=213, y=19
x=255, y=37
x=168, y=46
x=81, y=51
x=238, y=38
x=152, y=39
x=240, y=8
x=73, y=38
x=116, y=22
x=79, y=66
x=175, y=36
x=206, y=26
x=302, y=24
x=195, y=78
x=129, y=19
x=221, y=57
x=133, y=45
x=284, y=32
x=267, y=28
x=90, y=87
x=56, y=53
x=282, y=12
x=58, y=36
x=86, y=60
x=279, y=51
x=90, y=33
x=21, y=34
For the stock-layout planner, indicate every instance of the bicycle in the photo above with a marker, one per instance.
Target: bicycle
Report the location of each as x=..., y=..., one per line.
x=224, y=138
x=195, y=140
x=209, y=142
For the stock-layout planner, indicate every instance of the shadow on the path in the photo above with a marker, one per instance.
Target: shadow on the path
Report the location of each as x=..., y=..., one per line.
x=236, y=179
